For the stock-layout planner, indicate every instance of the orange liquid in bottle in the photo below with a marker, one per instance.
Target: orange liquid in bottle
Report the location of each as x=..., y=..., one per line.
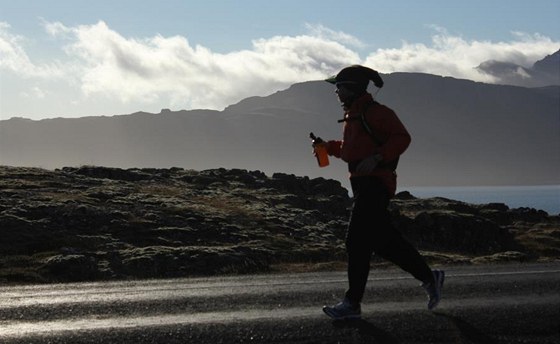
x=320, y=151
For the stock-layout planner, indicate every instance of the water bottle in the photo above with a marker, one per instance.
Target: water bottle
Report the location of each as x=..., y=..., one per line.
x=320, y=150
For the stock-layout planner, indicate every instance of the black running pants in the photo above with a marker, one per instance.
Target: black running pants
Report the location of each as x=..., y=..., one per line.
x=370, y=231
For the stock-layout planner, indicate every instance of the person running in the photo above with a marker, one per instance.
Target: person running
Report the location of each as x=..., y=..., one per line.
x=373, y=140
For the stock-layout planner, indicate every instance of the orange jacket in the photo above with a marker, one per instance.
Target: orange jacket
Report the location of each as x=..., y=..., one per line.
x=357, y=144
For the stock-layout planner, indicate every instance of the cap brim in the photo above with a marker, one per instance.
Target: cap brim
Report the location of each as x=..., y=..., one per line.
x=331, y=80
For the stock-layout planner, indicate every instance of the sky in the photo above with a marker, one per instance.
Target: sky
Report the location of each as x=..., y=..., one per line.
x=73, y=58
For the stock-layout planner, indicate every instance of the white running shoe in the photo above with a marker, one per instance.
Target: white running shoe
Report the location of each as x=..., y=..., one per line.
x=343, y=310
x=434, y=290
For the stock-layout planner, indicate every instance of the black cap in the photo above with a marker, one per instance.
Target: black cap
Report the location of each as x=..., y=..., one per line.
x=357, y=77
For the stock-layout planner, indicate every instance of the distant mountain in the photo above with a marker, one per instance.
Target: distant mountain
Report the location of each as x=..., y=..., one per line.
x=463, y=133
x=544, y=72
x=550, y=64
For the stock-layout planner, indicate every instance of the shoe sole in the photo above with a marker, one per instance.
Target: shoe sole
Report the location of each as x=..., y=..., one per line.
x=332, y=315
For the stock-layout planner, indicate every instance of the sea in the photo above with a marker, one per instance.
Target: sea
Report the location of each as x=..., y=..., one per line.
x=541, y=197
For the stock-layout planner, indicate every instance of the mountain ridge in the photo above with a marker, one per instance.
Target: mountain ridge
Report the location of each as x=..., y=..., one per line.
x=544, y=72
x=463, y=133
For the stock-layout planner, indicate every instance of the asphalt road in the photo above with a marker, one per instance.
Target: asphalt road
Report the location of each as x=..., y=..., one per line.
x=481, y=304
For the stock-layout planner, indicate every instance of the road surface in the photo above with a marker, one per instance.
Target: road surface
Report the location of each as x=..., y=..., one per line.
x=481, y=304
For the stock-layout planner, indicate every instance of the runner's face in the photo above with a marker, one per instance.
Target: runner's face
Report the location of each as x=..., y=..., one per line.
x=343, y=93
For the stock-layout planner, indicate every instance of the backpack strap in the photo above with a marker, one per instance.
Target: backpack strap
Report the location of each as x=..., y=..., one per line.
x=366, y=126
x=391, y=165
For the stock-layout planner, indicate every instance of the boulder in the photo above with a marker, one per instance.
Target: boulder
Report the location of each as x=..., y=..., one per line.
x=73, y=267
x=453, y=232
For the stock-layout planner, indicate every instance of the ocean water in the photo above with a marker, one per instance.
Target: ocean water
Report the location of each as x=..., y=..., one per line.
x=543, y=197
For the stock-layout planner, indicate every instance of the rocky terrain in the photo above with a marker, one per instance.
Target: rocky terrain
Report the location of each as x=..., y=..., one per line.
x=98, y=223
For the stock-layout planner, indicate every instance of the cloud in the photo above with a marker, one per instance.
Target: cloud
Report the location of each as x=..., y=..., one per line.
x=151, y=69
x=34, y=93
x=449, y=55
x=171, y=72
x=336, y=36
x=14, y=58
x=56, y=29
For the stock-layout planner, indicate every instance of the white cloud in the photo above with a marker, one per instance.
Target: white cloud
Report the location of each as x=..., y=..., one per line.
x=449, y=55
x=331, y=35
x=34, y=93
x=56, y=29
x=14, y=58
x=170, y=72
x=151, y=69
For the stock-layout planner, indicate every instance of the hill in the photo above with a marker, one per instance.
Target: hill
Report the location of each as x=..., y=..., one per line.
x=544, y=72
x=99, y=223
x=464, y=133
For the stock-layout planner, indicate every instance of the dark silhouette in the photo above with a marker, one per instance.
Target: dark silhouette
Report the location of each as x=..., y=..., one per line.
x=374, y=138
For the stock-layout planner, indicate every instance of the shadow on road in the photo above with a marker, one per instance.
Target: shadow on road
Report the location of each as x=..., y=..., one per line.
x=367, y=331
x=467, y=330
